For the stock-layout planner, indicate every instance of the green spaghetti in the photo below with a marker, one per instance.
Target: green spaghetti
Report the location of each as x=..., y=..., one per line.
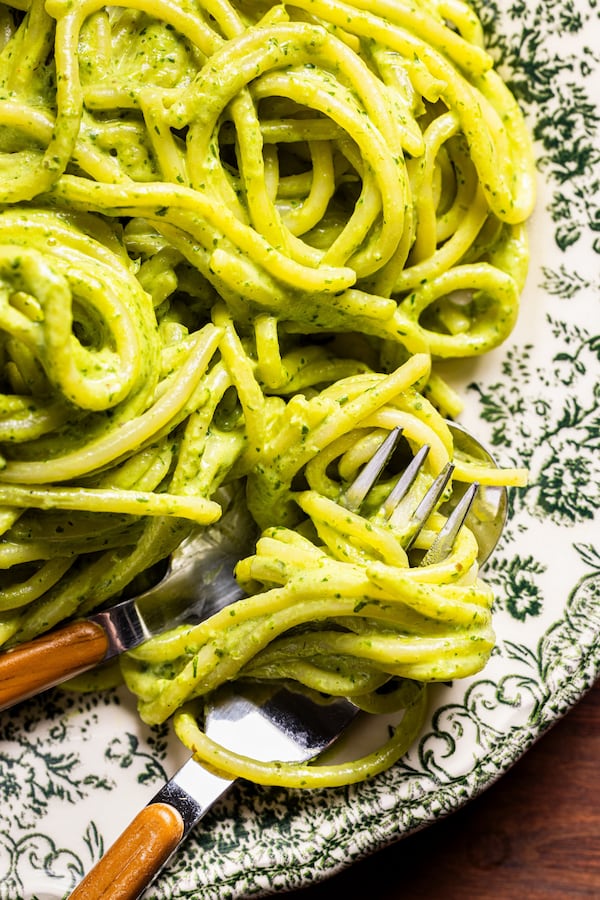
x=236, y=241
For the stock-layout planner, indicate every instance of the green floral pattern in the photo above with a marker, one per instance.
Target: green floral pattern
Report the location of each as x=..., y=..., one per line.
x=73, y=771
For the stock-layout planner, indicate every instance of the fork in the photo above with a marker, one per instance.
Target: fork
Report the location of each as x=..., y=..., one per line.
x=288, y=725
x=199, y=581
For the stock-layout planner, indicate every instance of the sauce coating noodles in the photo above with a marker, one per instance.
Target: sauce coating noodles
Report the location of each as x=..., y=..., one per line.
x=236, y=241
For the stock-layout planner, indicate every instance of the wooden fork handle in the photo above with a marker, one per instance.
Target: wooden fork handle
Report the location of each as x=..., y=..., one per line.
x=46, y=661
x=135, y=858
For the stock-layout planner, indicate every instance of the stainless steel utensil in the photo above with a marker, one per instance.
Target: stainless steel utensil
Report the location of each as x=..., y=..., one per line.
x=290, y=726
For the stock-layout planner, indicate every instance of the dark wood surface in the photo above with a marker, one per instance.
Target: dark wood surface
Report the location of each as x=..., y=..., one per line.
x=534, y=835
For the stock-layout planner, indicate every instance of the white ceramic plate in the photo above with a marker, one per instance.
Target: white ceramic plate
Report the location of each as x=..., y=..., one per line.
x=74, y=770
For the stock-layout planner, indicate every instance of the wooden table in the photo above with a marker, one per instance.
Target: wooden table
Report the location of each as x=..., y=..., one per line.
x=534, y=835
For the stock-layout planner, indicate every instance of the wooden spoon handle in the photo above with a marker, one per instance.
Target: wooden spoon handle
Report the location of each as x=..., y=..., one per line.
x=50, y=659
x=131, y=863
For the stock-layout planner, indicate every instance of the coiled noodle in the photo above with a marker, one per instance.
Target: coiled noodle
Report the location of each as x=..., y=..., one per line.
x=236, y=240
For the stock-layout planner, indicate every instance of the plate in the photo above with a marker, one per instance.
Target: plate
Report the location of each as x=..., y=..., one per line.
x=74, y=770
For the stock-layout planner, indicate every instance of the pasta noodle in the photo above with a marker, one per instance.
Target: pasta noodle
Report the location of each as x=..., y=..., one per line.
x=236, y=240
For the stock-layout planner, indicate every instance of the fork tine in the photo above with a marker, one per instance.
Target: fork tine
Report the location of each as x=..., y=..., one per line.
x=428, y=504
x=445, y=538
x=393, y=508
x=404, y=483
x=356, y=492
